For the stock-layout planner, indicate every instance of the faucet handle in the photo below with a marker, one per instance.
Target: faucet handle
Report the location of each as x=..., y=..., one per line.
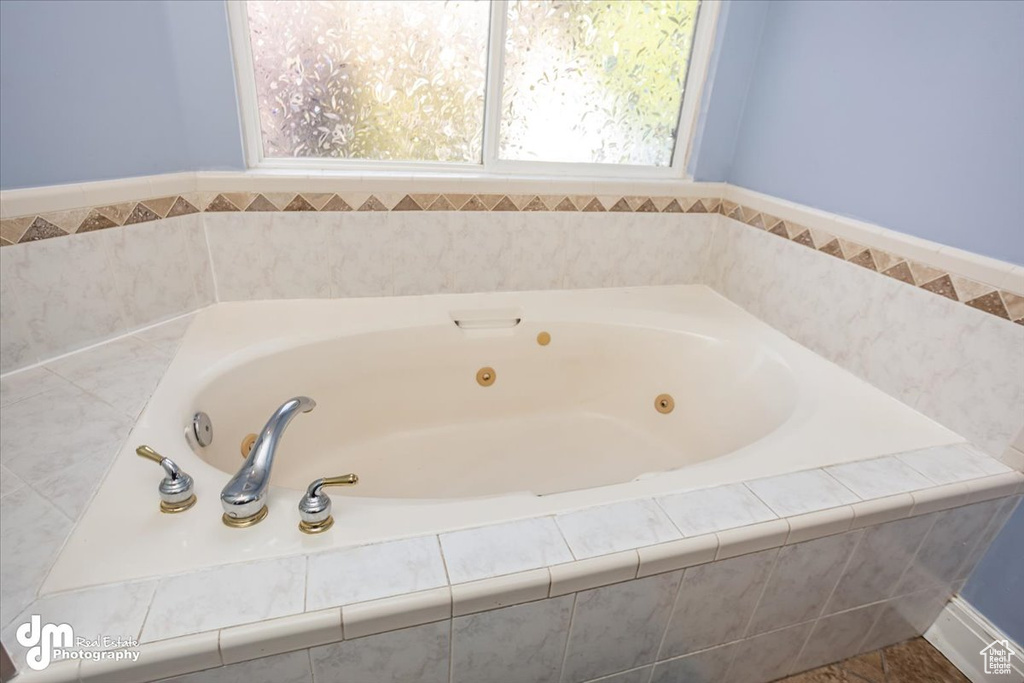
x=176, y=489
x=315, y=506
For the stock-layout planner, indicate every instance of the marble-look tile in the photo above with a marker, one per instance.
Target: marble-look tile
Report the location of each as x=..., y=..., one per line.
x=9, y=482
x=151, y=259
x=752, y=538
x=32, y=532
x=66, y=292
x=166, y=336
x=706, y=666
x=715, y=603
x=597, y=245
x=611, y=528
x=520, y=644
x=952, y=538
x=812, y=525
x=948, y=464
x=639, y=675
x=802, y=581
x=879, y=560
x=124, y=372
x=957, y=365
x=482, y=251
x=225, y=596
x=369, y=572
x=879, y=477
x=417, y=654
x=290, y=667
x=838, y=636
x=397, y=612
x=295, y=257
x=94, y=613
x=538, y=250
x=573, y=577
x=235, y=243
x=28, y=383
x=362, y=254
x=666, y=557
x=670, y=249
x=422, y=251
x=503, y=549
x=503, y=591
x=906, y=617
x=276, y=636
x=200, y=270
x=800, y=492
x=163, y=659
x=769, y=656
x=881, y=510
x=618, y=627
x=707, y=510
x=16, y=350
x=58, y=436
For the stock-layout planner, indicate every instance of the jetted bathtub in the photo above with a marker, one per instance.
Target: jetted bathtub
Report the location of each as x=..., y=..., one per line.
x=463, y=410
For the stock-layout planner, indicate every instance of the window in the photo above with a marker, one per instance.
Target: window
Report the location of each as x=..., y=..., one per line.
x=588, y=87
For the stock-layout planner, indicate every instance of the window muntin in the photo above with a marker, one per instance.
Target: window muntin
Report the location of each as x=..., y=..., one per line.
x=370, y=80
x=642, y=120
x=594, y=82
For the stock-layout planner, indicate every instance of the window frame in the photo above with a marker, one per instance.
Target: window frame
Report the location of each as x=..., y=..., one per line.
x=491, y=165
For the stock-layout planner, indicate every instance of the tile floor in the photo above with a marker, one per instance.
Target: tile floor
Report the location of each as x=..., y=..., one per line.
x=912, y=661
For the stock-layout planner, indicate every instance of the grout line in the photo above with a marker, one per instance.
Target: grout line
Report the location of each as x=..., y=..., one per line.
x=764, y=589
x=568, y=637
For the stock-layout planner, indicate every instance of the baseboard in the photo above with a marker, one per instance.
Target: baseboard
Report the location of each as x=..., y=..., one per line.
x=960, y=633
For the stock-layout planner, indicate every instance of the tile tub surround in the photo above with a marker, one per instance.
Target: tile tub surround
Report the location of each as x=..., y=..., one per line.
x=1004, y=298
x=348, y=612
x=754, y=616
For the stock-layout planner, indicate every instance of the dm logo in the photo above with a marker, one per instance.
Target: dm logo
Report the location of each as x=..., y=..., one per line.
x=42, y=640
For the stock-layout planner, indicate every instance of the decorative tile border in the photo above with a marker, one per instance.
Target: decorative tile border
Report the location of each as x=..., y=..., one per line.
x=998, y=302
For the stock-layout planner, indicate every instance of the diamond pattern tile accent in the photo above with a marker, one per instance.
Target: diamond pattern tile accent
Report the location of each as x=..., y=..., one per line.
x=474, y=204
x=1005, y=305
x=160, y=206
x=901, y=271
x=942, y=286
x=990, y=303
x=181, y=208
x=336, y=203
x=299, y=203
x=221, y=203
x=372, y=204
x=261, y=203
x=441, y=204
x=41, y=229
x=140, y=214
x=407, y=203
x=505, y=204
x=96, y=221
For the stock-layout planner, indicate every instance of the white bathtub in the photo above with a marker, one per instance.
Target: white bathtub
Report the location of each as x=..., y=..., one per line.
x=564, y=425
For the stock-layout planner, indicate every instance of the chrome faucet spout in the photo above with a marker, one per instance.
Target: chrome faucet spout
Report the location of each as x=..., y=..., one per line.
x=244, y=497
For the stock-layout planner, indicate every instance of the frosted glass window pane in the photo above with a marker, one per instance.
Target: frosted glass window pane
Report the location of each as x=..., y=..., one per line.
x=594, y=81
x=371, y=80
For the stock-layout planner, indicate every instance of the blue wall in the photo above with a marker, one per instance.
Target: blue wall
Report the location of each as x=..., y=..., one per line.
x=737, y=39
x=98, y=90
x=905, y=114
x=996, y=588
